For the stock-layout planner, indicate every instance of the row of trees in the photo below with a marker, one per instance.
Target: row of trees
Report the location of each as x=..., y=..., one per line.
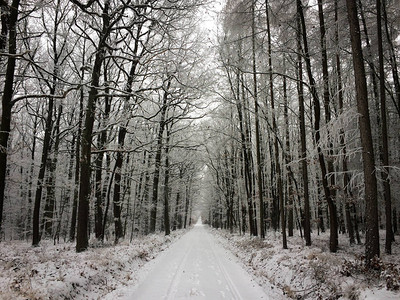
x=309, y=120
x=97, y=132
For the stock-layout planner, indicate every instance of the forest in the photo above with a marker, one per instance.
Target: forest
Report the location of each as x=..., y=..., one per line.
x=126, y=118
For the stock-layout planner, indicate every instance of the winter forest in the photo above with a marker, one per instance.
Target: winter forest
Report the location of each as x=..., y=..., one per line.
x=275, y=123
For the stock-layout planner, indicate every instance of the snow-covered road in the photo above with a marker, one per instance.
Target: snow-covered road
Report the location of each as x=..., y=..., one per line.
x=196, y=267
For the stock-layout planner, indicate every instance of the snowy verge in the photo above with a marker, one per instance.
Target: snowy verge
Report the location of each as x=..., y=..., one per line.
x=302, y=272
x=58, y=272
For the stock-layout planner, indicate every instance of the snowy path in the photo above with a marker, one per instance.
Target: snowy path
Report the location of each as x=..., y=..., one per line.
x=196, y=267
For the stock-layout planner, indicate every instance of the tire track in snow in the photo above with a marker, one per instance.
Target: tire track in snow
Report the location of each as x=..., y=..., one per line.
x=197, y=267
x=173, y=287
x=232, y=287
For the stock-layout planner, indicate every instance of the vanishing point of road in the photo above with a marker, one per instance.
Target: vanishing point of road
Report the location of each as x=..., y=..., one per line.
x=197, y=267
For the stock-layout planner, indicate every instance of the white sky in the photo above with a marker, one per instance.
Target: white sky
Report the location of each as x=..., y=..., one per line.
x=210, y=14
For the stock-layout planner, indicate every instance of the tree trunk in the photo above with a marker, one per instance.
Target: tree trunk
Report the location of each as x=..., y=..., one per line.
x=166, y=186
x=31, y=173
x=145, y=199
x=72, y=229
x=333, y=241
x=392, y=59
x=187, y=206
x=42, y=170
x=5, y=23
x=66, y=197
x=177, y=215
x=287, y=155
x=117, y=205
x=349, y=221
x=8, y=91
x=327, y=100
x=247, y=170
x=248, y=160
x=156, y=178
x=98, y=184
x=117, y=201
x=257, y=126
x=82, y=240
x=48, y=216
x=385, y=145
x=275, y=132
x=370, y=183
x=108, y=201
x=303, y=145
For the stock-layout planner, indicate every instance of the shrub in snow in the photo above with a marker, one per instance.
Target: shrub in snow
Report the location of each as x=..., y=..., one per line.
x=352, y=292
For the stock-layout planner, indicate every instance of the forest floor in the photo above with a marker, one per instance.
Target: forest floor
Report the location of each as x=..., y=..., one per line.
x=58, y=272
x=195, y=265
x=302, y=272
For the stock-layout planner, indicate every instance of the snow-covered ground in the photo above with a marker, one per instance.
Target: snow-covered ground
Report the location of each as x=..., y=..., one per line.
x=200, y=264
x=313, y=272
x=197, y=267
x=58, y=272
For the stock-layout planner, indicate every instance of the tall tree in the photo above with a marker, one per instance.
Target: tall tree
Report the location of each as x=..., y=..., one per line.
x=370, y=183
x=101, y=144
x=275, y=131
x=78, y=134
x=161, y=129
x=392, y=58
x=303, y=140
x=82, y=240
x=288, y=156
x=346, y=179
x=57, y=50
x=257, y=123
x=384, y=143
x=166, y=182
x=333, y=241
x=9, y=19
x=122, y=131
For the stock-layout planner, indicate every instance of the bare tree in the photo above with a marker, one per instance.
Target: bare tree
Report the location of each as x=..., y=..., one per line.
x=9, y=19
x=370, y=183
x=333, y=242
x=385, y=147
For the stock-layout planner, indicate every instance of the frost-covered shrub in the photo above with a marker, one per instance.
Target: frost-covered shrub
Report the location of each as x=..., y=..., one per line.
x=352, y=292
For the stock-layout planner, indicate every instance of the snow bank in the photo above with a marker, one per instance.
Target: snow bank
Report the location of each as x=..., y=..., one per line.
x=58, y=272
x=302, y=272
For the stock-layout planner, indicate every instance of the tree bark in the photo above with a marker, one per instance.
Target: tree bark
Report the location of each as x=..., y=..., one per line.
x=98, y=184
x=117, y=201
x=275, y=132
x=177, y=214
x=166, y=185
x=303, y=144
x=5, y=20
x=370, y=182
x=72, y=229
x=384, y=142
x=187, y=189
x=48, y=216
x=257, y=125
x=326, y=97
x=349, y=221
x=288, y=156
x=82, y=239
x=8, y=92
x=42, y=170
x=156, y=178
x=333, y=241
x=392, y=59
